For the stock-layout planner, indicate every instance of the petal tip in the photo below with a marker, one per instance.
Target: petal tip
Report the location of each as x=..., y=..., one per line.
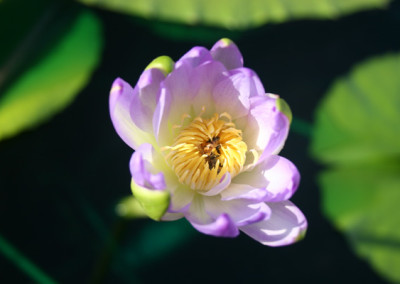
x=284, y=108
x=302, y=233
x=224, y=42
x=227, y=227
x=117, y=86
x=163, y=63
x=222, y=226
x=226, y=51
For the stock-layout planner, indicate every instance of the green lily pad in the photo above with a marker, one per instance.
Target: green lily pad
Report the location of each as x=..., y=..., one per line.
x=52, y=82
x=358, y=132
x=363, y=202
x=236, y=14
x=359, y=119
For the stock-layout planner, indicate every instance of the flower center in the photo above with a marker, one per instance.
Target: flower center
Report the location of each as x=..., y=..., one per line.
x=205, y=150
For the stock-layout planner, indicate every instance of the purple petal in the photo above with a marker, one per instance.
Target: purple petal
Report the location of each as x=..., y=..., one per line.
x=241, y=211
x=262, y=211
x=244, y=191
x=228, y=53
x=266, y=126
x=171, y=216
x=178, y=92
x=160, y=117
x=286, y=225
x=225, y=181
x=222, y=226
x=206, y=77
x=146, y=94
x=193, y=86
x=250, y=80
x=194, y=57
x=232, y=95
x=217, y=225
x=181, y=199
x=278, y=177
x=179, y=83
x=121, y=96
x=282, y=177
x=141, y=166
x=190, y=89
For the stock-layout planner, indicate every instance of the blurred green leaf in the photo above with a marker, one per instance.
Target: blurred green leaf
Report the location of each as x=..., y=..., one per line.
x=51, y=83
x=359, y=118
x=187, y=33
x=357, y=130
x=23, y=263
x=236, y=14
x=150, y=244
x=13, y=29
x=363, y=202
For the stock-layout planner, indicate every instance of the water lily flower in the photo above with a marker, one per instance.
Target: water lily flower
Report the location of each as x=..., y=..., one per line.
x=206, y=138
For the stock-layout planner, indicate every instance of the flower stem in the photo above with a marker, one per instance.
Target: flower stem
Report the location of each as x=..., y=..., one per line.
x=302, y=127
x=21, y=52
x=23, y=263
x=103, y=264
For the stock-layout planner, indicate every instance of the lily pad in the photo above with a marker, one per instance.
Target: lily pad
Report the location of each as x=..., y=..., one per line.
x=236, y=14
x=359, y=119
x=358, y=132
x=52, y=82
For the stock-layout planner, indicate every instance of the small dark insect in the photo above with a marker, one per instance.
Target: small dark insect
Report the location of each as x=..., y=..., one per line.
x=212, y=160
x=206, y=149
x=218, y=148
x=219, y=168
x=208, y=146
x=212, y=149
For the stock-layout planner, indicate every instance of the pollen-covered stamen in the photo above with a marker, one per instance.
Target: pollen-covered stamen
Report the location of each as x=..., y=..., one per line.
x=205, y=150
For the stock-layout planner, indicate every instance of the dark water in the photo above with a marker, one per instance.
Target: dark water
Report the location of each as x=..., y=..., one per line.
x=60, y=183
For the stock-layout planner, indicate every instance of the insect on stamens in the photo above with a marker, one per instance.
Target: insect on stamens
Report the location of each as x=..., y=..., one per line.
x=205, y=150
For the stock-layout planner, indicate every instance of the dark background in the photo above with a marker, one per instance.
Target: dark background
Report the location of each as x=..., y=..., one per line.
x=61, y=181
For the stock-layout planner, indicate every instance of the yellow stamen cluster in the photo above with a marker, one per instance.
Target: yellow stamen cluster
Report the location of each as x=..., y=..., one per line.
x=205, y=150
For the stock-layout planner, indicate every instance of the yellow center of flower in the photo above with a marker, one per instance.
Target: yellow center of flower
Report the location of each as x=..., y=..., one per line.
x=205, y=150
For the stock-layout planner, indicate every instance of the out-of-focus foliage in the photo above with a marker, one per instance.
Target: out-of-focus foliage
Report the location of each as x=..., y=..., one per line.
x=52, y=73
x=236, y=14
x=358, y=131
x=150, y=244
x=13, y=29
x=359, y=120
x=205, y=35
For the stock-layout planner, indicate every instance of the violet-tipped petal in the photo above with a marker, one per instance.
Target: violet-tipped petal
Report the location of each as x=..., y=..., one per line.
x=121, y=96
x=222, y=226
x=276, y=176
x=286, y=225
x=228, y=53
